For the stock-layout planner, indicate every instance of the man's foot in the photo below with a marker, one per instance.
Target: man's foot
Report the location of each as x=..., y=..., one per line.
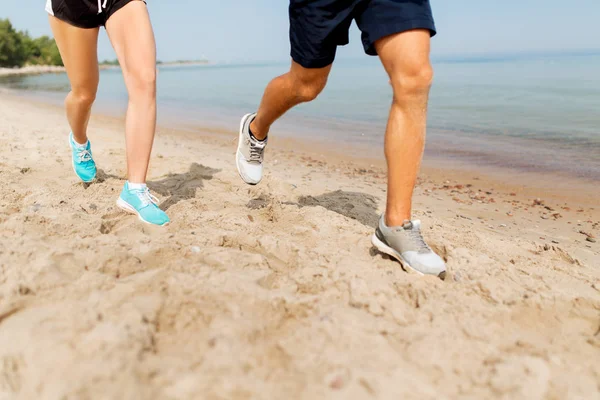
x=143, y=204
x=406, y=244
x=250, y=153
x=83, y=163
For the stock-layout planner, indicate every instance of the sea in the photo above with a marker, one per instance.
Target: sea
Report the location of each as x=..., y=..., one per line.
x=522, y=113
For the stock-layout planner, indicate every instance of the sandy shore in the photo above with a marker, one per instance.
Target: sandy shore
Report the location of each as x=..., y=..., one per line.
x=274, y=291
x=31, y=70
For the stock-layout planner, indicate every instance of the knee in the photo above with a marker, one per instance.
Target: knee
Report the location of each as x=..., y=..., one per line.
x=84, y=97
x=308, y=90
x=144, y=82
x=414, y=80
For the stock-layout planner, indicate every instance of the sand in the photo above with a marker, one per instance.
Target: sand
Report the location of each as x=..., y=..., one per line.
x=274, y=291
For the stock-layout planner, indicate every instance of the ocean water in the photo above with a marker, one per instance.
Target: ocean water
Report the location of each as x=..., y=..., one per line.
x=526, y=113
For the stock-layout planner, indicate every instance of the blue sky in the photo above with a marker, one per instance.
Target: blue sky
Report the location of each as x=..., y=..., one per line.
x=256, y=30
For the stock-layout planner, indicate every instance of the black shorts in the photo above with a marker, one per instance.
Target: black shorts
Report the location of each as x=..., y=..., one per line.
x=85, y=13
x=317, y=27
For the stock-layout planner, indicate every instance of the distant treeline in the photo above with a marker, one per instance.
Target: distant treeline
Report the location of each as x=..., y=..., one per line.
x=114, y=62
x=17, y=48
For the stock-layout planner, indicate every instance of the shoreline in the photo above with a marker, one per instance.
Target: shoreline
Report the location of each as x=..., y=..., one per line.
x=41, y=70
x=528, y=185
x=550, y=165
x=52, y=69
x=32, y=70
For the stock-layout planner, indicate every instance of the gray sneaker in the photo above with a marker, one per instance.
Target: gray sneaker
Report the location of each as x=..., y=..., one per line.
x=250, y=153
x=406, y=244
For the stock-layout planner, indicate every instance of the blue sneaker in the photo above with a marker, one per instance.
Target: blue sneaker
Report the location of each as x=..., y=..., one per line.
x=143, y=204
x=83, y=163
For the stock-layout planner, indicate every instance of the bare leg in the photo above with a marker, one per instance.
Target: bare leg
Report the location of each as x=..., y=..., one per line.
x=300, y=85
x=78, y=49
x=405, y=57
x=131, y=35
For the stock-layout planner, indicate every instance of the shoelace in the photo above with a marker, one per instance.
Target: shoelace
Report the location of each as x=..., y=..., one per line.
x=101, y=6
x=146, y=197
x=84, y=155
x=416, y=237
x=256, y=151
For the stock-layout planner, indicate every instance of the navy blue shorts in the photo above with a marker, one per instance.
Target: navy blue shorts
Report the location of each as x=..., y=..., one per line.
x=317, y=27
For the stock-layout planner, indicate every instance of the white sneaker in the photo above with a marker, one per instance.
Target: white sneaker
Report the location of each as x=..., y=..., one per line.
x=406, y=244
x=250, y=153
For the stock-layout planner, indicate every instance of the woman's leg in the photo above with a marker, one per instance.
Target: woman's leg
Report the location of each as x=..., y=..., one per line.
x=131, y=35
x=78, y=49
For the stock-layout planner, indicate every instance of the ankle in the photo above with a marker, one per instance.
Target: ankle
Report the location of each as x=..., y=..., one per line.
x=136, y=186
x=256, y=132
x=80, y=141
x=396, y=219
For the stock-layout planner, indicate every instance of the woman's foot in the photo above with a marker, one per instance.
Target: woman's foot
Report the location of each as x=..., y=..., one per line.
x=83, y=163
x=137, y=199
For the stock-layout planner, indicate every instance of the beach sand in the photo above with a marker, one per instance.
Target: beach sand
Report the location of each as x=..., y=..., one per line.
x=274, y=291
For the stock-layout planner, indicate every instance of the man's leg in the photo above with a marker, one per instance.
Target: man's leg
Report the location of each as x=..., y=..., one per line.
x=316, y=29
x=131, y=35
x=297, y=86
x=78, y=49
x=405, y=57
x=300, y=85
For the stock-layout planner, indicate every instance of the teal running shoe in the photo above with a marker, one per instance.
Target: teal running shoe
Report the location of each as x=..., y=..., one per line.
x=83, y=163
x=142, y=203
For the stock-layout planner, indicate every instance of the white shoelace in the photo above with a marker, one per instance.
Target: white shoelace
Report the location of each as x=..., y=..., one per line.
x=146, y=197
x=418, y=240
x=84, y=155
x=101, y=6
x=256, y=151
x=416, y=237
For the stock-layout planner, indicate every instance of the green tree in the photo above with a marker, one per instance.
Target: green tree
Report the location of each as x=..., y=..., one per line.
x=19, y=48
x=44, y=51
x=13, y=52
x=29, y=47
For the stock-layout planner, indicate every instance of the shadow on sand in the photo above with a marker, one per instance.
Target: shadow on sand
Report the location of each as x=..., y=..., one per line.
x=182, y=186
x=358, y=206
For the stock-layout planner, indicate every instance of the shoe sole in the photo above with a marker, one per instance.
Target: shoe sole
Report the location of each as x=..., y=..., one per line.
x=238, y=152
x=123, y=205
x=385, y=249
x=75, y=170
